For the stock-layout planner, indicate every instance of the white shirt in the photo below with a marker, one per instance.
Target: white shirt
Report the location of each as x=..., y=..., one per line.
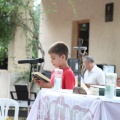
x=96, y=76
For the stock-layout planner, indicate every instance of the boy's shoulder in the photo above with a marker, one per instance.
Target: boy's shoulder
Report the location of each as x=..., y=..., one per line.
x=68, y=70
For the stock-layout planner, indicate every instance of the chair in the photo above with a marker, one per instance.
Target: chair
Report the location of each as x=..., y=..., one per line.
x=21, y=96
x=5, y=104
x=22, y=93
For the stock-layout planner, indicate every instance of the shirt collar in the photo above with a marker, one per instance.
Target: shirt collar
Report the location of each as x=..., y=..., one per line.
x=94, y=68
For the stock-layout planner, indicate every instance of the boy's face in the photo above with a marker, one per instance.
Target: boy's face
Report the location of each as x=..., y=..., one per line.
x=57, y=60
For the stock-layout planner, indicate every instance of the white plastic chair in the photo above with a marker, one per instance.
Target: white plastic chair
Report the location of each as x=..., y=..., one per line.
x=5, y=103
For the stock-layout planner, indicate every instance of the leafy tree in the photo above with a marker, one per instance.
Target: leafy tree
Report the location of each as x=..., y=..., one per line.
x=19, y=13
x=5, y=28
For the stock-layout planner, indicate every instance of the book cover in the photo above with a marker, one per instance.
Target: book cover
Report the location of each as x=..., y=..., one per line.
x=40, y=76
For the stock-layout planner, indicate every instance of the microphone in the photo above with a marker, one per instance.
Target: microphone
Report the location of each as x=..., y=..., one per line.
x=32, y=61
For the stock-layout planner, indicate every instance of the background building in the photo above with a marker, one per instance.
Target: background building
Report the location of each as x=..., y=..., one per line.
x=60, y=23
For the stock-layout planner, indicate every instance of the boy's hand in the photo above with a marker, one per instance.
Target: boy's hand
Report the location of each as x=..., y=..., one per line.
x=39, y=82
x=42, y=83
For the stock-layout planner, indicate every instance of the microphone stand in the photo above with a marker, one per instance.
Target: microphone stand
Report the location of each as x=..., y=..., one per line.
x=29, y=88
x=32, y=61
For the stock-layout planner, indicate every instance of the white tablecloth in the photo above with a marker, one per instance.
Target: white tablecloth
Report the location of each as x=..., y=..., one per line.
x=64, y=105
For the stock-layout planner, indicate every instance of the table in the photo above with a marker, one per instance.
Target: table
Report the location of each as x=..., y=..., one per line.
x=64, y=105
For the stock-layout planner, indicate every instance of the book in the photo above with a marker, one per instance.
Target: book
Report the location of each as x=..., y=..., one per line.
x=100, y=90
x=40, y=76
x=82, y=83
x=84, y=86
x=97, y=90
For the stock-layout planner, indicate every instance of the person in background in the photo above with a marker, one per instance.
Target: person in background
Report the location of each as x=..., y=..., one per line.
x=93, y=74
x=59, y=54
x=118, y=82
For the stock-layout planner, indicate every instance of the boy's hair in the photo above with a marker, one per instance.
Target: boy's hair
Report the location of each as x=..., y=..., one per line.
x=59, y=48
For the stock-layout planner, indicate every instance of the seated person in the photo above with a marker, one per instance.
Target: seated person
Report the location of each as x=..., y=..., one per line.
x=59, y=55
x=93, y=74
x=118, y=82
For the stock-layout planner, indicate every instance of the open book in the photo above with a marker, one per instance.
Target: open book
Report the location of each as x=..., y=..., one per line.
x=40, y=76
x=82, y=83
x=84, y=86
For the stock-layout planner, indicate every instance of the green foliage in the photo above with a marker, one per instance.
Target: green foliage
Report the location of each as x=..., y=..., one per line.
x=3, y=54
x=72, y=3
x=36, y=21
x=23, y=76
x=6, y=30
x=19, y=13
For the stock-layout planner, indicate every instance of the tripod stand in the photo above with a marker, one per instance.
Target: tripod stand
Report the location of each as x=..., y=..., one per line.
x=31, y=62
x=30, y=77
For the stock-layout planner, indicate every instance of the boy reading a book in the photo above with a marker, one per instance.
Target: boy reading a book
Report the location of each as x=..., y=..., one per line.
x=59, y=54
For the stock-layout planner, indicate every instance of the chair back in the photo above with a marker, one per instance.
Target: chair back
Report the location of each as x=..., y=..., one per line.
x=5, y=103
x=22, y=92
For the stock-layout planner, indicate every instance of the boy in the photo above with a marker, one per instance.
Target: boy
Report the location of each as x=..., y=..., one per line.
x=59, y=54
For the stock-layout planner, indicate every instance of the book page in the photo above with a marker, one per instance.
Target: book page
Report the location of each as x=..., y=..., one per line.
x=84, y=86
x=82, y=83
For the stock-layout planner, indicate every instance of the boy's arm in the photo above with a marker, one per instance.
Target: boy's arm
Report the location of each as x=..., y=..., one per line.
x=42, y=83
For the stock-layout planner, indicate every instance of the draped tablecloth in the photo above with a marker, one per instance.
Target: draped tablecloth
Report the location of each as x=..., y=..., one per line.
x=64, y=105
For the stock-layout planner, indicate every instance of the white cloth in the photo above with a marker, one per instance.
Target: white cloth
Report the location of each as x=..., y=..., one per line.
x=61, y=105
x=64, y=105
x=96, y=76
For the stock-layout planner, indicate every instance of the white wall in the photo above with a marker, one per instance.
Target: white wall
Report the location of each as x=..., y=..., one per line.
x=4, y=83
x=104, y=36
x=17, y=51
